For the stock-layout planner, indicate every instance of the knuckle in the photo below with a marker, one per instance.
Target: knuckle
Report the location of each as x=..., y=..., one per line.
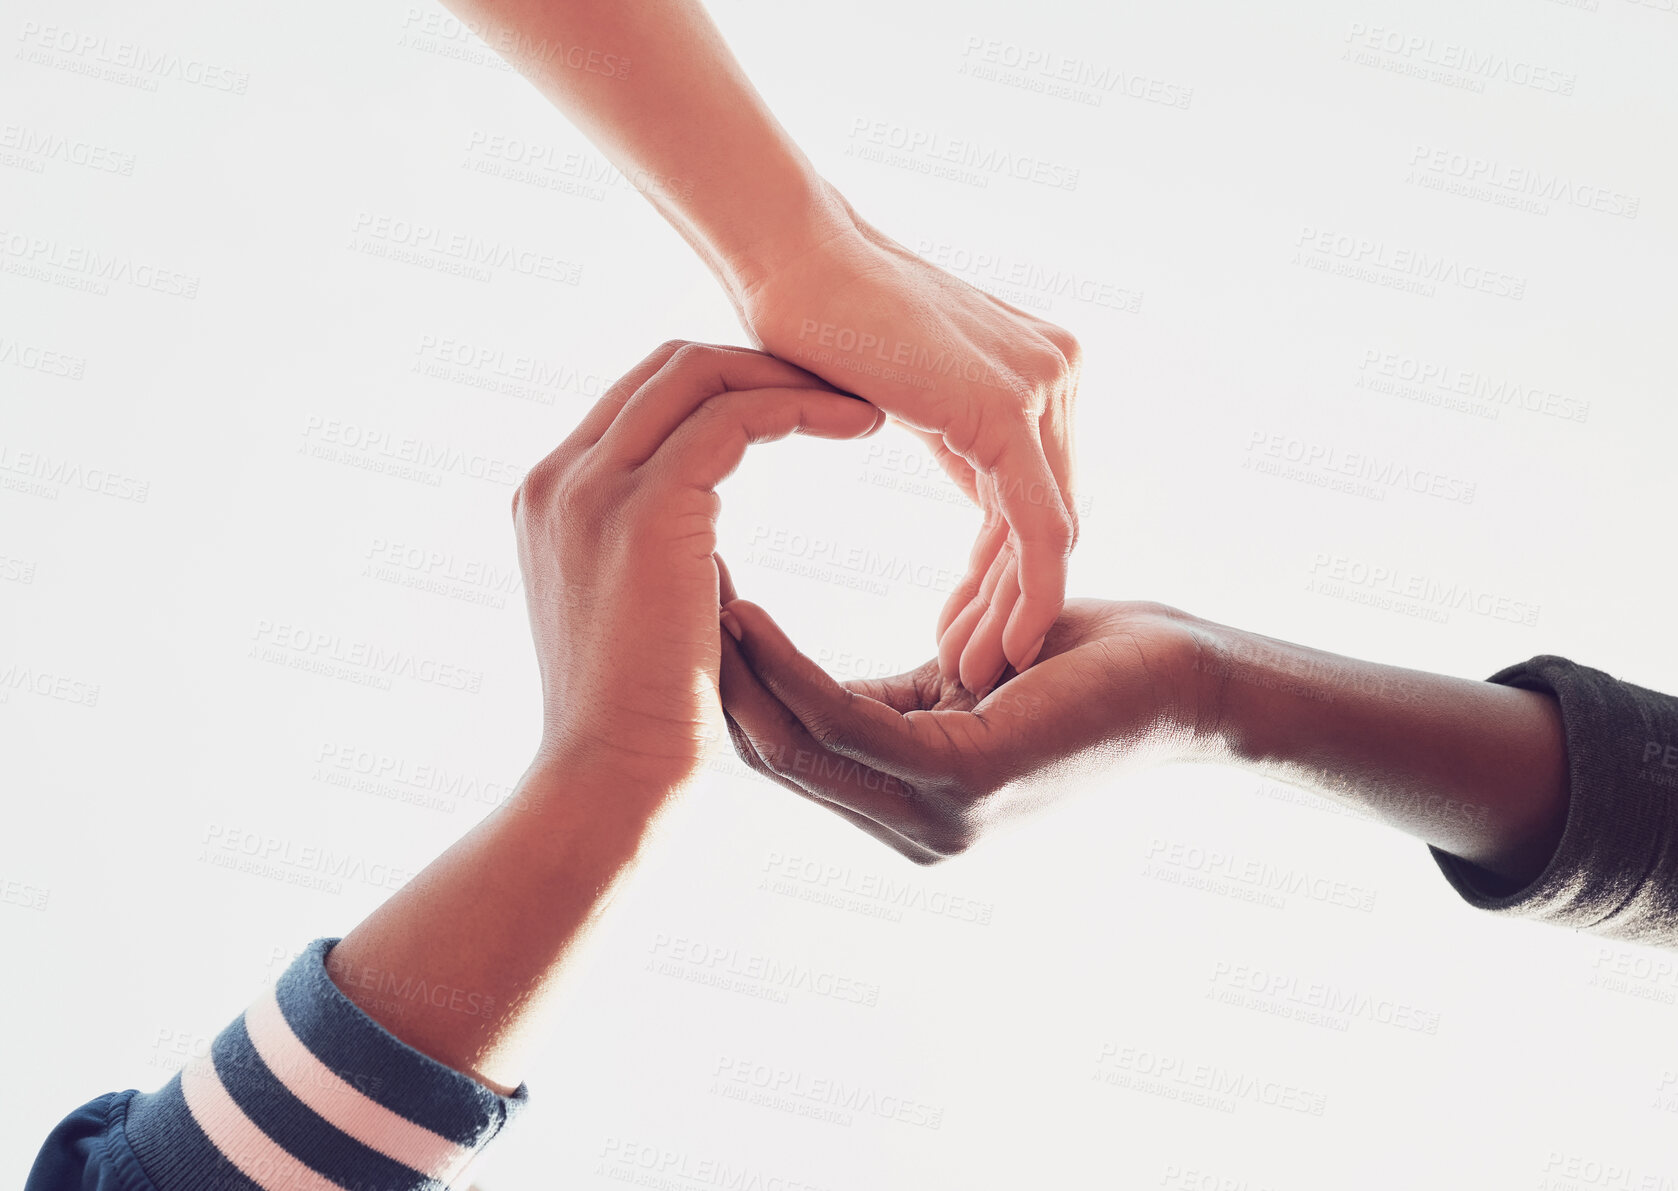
x=827, y=732
x=1058, y=532
x=691, y=356
x=1071, y=351
x=534, y=491
x=753, y=758
x=948, y=834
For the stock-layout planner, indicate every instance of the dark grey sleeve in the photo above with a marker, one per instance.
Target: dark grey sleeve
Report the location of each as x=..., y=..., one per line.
x=1615, y=871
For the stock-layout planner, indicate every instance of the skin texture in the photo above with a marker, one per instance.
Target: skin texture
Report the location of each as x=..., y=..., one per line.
x=989, y=388
x=616, y=532
x=1475, y=768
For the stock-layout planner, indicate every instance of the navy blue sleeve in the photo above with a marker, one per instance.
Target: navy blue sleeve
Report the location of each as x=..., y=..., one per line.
x=88, y=1151
x=302, y=1092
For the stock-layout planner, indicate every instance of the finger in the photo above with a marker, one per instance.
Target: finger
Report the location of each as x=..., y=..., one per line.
x=748, y=753
x=1055, y=433
x=914, y=690
x=611, y=403
x=710, y=444
x=952, y=630
x=992, y=535
x=960, y=471
x=1057, y=449
x=770, y=740
x=953, y=646
x=689, y=378
x=725, y=582
x=983, y=661
x=1031, y=500
x=841, y=721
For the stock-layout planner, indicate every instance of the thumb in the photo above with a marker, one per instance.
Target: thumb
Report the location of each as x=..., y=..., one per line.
x=798, y=682
x=838, y=719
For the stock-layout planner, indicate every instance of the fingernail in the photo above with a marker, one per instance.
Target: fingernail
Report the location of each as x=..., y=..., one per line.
x=731, y=623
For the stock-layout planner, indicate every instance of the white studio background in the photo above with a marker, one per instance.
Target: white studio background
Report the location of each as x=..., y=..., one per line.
x=1037, y=1013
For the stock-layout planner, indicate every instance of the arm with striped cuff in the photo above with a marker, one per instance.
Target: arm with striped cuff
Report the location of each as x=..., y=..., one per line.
x=388, y=1060
x=303, y=1092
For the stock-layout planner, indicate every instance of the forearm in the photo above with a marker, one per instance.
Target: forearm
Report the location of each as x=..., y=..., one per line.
x=656, y=88
x=461, y=962
x=1475, y=768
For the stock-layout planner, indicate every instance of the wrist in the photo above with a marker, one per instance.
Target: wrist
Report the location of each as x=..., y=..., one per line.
x=563, y=804
x=566, y=775
x=1240, y=684
x=809, y=212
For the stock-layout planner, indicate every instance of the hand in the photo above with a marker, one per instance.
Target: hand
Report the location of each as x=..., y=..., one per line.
x=917, y=763
x=988, y=387
x=616, y=533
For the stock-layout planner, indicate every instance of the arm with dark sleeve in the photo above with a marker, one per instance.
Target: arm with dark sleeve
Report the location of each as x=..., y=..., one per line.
x=1615, y=870
x=1549, y=791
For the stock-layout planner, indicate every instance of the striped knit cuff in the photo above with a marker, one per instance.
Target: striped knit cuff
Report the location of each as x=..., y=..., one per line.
x=305, y=1092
